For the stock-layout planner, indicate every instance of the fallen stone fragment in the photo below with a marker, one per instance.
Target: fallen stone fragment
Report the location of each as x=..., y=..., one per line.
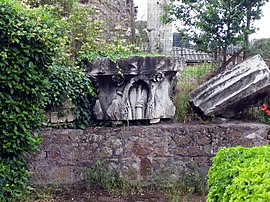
x=233, y=90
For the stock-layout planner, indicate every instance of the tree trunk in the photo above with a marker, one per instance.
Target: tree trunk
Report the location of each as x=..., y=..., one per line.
x=247, y=31
x=224, y=54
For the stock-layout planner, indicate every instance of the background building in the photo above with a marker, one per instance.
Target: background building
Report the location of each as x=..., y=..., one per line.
x=116, y=16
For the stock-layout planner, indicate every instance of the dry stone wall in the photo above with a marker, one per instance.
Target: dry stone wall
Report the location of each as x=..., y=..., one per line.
x=137, y=151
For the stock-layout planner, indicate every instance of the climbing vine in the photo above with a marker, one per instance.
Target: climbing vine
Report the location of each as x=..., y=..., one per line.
x=29, y=41
x=68, y=83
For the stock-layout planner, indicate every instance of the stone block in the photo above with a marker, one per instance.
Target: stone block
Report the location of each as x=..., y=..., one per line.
x=233, y=90
x=135, y=88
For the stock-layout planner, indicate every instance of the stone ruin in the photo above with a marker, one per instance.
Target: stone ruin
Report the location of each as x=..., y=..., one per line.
x=233, y=90
x=134, y=88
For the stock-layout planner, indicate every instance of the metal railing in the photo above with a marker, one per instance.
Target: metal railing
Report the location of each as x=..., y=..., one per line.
x=190, y=55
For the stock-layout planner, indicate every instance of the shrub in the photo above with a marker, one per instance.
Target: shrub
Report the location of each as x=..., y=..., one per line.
x=240, y=174
x=28, y=41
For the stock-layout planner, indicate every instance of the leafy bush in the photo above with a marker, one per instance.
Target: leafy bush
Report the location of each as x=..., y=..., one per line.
x=261, y=46
x=240, y=174
x=70, y=83
x=29, y=41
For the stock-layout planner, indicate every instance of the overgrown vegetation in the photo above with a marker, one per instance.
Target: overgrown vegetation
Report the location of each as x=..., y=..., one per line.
x=102, y=176
x=40, y=54
x=189, y=79
x=69, y=84
x=82, y=42
x=240, y=174
x=28, y=45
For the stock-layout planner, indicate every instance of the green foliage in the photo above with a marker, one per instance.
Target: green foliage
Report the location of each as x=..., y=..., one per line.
x=181, y=102
x=190, y=78
x=214, y=25
x=84, y=33
x=83, y=30
x=60, y=7
x=13, y=178
x=240, y=174
x=101, y=175
x=197, y=71
x=261, y=113
x=29, y=41
x=113, y=51
x=71, y=84
x=261, y=47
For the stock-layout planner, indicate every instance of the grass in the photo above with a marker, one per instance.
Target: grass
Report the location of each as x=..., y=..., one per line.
x=190, y=78
x=102, y=176
x=40, y=195
x=197, y=70
x=105, y=179
x=161, y=182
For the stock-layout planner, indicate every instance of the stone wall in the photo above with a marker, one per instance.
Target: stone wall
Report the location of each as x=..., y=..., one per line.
x=115, y=15
x=137, y=151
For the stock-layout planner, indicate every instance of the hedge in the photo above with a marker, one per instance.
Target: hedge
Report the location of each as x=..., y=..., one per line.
x=240, y=174
x=29, y=41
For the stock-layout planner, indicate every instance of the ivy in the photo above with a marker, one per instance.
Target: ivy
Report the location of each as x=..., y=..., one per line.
x=29, y=41
x=72, y=84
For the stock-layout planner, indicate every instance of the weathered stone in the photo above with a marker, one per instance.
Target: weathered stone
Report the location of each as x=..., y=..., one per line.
x=137, y=152
x=145, y=166
x=99, y=115
x=233, y=90
x=62, y=114
x=54, y=117
x=116, y=16
x=134, y=88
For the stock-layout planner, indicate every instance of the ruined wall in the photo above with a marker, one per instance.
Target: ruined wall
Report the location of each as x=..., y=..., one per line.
x=137, y=151
x=116, y=17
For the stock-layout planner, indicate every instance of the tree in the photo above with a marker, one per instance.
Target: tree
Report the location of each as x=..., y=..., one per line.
x=82, y=29
x=262, y=47
x=215, y=24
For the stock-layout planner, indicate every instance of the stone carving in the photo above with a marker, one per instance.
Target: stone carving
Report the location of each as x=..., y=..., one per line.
x=233, y=90
x=98, y=110
x=134, y=88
